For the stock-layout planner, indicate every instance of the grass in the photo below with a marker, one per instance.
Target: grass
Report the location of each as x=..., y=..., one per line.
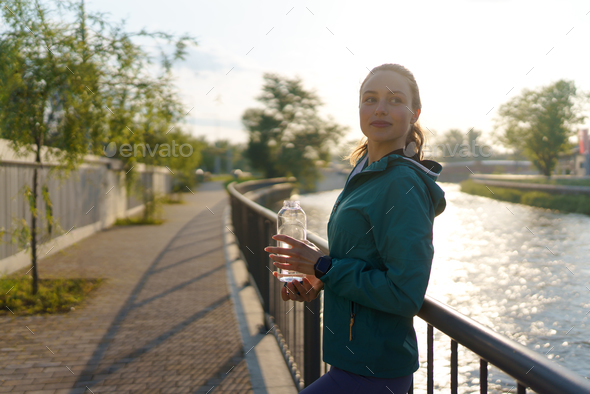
x=550, y=181
x=137, y=221
x=574, y=203
x=221, y=177
x=53, y=296
x=174, y=198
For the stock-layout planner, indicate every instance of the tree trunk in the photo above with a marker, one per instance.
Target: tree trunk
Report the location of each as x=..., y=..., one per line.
x=147, y=193
x=34, y=211
x=34, y=221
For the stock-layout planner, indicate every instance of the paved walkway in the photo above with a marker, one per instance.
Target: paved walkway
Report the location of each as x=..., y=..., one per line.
x=162, y=323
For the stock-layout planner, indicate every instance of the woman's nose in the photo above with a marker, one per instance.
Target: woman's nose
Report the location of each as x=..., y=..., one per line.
x=381, y=107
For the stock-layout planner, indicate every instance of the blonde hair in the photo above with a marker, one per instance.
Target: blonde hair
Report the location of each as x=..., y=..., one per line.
x=416, y=133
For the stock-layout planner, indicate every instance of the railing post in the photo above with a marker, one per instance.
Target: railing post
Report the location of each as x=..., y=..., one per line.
x=272, y=285
x=263, y=260
x=483, y=376
x=454, y=367
x=311, y=345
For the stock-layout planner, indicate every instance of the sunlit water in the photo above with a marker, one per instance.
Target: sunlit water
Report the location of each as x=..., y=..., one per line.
x=521, y=271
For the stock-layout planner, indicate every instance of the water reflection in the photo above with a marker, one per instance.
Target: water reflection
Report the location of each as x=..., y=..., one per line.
x=519, y=270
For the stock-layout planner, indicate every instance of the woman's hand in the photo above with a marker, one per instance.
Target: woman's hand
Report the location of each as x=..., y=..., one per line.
x=308, y=290
x=302, y=255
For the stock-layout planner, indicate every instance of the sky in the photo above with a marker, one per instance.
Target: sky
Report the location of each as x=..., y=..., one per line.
x=468, y=57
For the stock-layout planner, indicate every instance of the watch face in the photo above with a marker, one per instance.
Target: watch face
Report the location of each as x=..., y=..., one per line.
x=323, y=264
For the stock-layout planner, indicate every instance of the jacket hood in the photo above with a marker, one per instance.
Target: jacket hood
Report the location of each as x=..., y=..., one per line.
x=428, y=170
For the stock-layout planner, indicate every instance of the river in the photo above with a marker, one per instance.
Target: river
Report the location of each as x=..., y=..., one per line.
x=521, y=271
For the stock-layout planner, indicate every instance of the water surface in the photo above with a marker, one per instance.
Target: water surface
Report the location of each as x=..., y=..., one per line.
x=521, y=271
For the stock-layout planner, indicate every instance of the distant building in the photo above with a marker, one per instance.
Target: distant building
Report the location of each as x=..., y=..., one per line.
x=458, y=171
x=576, y=162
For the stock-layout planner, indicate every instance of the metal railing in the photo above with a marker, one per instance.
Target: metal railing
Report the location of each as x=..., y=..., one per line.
x=300, y=338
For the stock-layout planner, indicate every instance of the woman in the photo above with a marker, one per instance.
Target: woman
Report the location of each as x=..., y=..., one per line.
x=380, y=237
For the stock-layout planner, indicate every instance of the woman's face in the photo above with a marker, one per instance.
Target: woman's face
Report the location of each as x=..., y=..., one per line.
x=385, y=109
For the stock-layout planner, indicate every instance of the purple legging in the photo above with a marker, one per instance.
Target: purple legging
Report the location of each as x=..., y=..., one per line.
x=338, y=381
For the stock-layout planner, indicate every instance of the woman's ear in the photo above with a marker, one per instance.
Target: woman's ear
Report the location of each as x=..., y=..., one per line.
x=416, y=115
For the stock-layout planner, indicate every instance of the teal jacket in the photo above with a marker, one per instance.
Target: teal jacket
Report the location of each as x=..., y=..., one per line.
x=380, y=239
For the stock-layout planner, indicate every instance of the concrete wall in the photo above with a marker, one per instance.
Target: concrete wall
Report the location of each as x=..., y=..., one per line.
x=84, y=201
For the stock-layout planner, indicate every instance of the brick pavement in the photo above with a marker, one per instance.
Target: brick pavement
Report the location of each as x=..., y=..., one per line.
x=162, y=323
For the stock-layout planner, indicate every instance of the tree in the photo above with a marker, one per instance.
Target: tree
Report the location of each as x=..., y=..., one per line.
x=288, y=137
x=471, y=138
x=223, y=153
x=455, y=143
x=450, y=142
x=39, y=96
x=539, y=122
x=58, y=82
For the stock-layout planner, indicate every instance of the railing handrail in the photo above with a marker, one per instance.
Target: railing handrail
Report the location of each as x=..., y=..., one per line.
x=526, y=366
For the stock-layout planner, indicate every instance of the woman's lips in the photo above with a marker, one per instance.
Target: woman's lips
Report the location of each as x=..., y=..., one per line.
x=381, y=124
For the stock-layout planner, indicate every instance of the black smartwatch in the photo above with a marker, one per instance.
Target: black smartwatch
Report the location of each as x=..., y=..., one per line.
x=322, y=266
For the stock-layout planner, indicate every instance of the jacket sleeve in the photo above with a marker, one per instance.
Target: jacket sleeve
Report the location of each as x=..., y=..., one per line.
x=402, y=218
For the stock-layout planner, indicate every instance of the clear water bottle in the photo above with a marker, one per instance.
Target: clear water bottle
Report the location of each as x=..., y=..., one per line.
x=291, y=221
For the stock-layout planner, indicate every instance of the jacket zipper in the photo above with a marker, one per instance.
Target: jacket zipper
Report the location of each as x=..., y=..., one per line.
x=351, y=320
x=335, y=206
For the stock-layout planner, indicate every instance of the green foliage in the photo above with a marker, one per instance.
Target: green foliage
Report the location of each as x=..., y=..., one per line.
x=220, y=148
x=549, y=181
x=455, y=144
x=539, y=122
x=48, y=209
x=21, y=234
x=71, y=82
x=288, y=137
x=32, y=199
x=53, y=296
x=575, y=203
x=41, y=97
x=152, y=210
x=174, y=198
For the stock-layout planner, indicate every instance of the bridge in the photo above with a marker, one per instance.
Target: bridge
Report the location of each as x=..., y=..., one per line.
x=254, y=226
x=190, y=306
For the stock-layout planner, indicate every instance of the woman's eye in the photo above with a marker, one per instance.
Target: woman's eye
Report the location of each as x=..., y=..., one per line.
x=394, y=99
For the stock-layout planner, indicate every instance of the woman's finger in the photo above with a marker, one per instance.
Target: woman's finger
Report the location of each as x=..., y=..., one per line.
x=303, y=291
x=288, y=240
x=283, y=251
x=313, y=291
x=292, y=290
x=287, y=265
x=284, y=294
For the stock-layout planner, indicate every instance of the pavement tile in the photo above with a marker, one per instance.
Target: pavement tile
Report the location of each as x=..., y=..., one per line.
x=162, y=321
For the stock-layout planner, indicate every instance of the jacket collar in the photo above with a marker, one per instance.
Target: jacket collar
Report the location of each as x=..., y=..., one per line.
x=429, y=167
